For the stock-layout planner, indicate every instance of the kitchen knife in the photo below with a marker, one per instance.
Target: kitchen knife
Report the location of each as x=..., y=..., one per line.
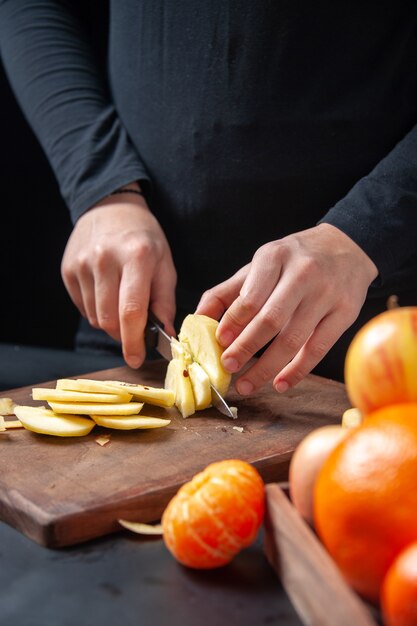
x=156, y=337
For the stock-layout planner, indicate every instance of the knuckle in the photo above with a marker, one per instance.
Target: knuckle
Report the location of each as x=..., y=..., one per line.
x=233, y=320
x=82, y=265
x=307, y=268
x=141, y=250
x=109, y=323
x=100, y=256
x=130, y=311
x=347, y=310
x=292, y=341
x=318, y=350
x=262, y=373
x=271, y=318
x=298, y=375
x=272, y=252
x=264, y=251
x=246, y=350
x=68, y=273
x=209, y=294
x=248, y=306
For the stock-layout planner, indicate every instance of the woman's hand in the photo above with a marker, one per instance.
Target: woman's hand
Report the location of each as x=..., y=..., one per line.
x=117, y=264
x=302, y=292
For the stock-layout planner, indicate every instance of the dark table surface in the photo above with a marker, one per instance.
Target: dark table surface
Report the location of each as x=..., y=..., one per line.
x=122, y=579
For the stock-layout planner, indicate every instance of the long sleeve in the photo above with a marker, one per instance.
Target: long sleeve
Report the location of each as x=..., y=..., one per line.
x=252, y=113
x=380, y=211
x=54, y=74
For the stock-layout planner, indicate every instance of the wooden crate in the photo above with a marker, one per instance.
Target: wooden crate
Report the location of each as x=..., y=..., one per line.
x=311, y=579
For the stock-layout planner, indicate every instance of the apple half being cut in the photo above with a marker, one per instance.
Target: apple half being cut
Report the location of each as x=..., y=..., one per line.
x=178, y=380
x=198, y=333
x=196, y=365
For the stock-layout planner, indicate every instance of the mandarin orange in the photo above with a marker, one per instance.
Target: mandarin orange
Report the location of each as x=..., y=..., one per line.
x=215, y=515
x=365, y=498
x=399, y=590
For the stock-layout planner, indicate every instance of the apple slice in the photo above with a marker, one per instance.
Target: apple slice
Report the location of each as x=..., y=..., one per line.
x=143, y=393
x=178, y=380
x=152, y=395
x=129, y=422
x=198, y=333
x=87, y=408
x=6, y=406
x=200, y=383
x=62, y=395
x=180, y=351
x=46, y=422
x=93, y=386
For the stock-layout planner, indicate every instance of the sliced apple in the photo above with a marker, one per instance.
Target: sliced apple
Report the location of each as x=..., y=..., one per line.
x=152, y=395
x=198, y=333
x=178, y=380
x=129, y=422
x=200, y=383
x=46, y=422
x=86, y=408
x=143, y=393
x=93, y=386
x=180, y=351
x=62, y=395
x=6, y=406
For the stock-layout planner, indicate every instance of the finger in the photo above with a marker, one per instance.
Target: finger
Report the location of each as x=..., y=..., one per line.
x=107, y=282
x=133, y=310
x=162, y=298
x=86, y=283
x=269, y=321
x=257, y=288
x=285, y=346
x=74, y=292
x=325, y=335
x=216, y=300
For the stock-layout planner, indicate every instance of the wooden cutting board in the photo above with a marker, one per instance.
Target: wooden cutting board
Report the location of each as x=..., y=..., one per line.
x=63, y=491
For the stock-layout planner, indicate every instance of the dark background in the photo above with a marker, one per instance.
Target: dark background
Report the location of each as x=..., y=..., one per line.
x=35, y=223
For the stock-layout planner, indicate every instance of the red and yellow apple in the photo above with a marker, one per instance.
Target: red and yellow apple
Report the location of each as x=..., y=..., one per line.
x=381, y=362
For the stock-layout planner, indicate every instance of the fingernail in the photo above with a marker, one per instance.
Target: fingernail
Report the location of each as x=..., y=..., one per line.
x=231, y=365
x=225, y=338
x=282, y=386
x=244, y=387
x=133, y=361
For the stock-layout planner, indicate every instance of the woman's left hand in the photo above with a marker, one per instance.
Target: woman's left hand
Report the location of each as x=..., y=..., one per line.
x=302, y=292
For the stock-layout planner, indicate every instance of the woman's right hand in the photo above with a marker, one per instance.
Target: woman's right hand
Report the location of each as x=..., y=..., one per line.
x=117, y=264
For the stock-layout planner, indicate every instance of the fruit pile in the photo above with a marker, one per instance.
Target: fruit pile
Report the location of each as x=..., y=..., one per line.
x=358, y=485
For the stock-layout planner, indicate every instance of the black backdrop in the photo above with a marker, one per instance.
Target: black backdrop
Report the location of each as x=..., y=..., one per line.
x=34, y=222
x=34, y=226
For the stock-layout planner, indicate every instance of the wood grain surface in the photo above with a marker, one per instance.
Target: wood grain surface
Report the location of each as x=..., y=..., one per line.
x=311, y=579
x=63, y=491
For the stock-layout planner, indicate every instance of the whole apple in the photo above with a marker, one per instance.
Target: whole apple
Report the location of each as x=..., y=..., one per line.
x=381, y=362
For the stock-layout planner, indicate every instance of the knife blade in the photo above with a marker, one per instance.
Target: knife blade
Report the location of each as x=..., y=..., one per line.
x=156, y=337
